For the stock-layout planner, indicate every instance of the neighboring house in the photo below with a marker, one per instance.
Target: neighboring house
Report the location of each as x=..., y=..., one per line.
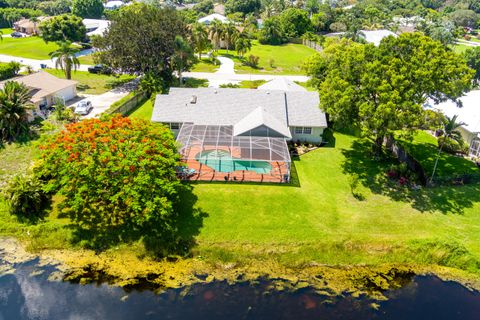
x=45, y=88
x=96, y=27
x=469, y=114
x=219, y=8
x=370, y=36
x=112, y=5
x=28, y=26
x=214, y=16
x=240, y=134
x=282, y=84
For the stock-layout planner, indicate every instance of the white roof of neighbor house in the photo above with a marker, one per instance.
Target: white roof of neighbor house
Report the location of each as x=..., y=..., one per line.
x=214, y=16
x=469, y=113
x=99, y=25
x=228, y=106
x=282, y=84
x=42, y=84
x=375, y=36
x=114, y=4
x=257, y=118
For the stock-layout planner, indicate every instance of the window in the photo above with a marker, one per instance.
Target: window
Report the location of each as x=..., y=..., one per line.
x=174, y=126
x=303, y=130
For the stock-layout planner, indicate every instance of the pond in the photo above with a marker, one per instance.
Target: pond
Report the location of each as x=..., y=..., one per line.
x=28, y=294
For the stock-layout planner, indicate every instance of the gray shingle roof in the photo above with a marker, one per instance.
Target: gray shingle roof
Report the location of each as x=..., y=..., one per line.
x=227, y=106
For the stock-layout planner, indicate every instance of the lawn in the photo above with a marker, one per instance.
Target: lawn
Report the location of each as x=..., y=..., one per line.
x=88, y=60
x=283, y=59
x=461, y=48
x=316, y=220
x=424, y=148
x=87, y=82
x=205, y=65
x=144, y=111
x=29, y=47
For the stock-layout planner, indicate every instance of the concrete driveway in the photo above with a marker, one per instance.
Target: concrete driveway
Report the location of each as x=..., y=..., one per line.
x=101, y=102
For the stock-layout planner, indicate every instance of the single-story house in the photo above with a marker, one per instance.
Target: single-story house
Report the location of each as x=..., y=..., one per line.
x=239, y=134
x=469, y=114
x=112, y=5
x=28, y=26
x=214, y=16
x=96, y=27
x=370, y=36
x=45, y=89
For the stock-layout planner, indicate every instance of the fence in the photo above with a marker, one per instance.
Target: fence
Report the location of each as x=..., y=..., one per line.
x=404, y=156
x=312, y=44
x=127, y=106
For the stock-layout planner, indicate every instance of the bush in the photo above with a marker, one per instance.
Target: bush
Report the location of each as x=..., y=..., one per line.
x=116, y=175
x=9, y=70
x=452, y=146
x=252, y=61
x=229, y=85
x=119, y=81
x=26, y=197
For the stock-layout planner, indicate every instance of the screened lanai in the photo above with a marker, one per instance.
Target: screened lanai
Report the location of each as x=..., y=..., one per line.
x=213, y=152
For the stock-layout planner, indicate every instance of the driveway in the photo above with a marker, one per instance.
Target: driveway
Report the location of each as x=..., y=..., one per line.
x=101, y=102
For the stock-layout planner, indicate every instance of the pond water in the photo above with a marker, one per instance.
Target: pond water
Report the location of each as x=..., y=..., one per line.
x=24, y=295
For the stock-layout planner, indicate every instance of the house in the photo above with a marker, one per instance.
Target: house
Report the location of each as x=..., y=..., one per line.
x=45, y=89
x=96, y=27
x=214, y=16
x=219, y=8
x=28, y=26
x=370, y=36
x=469, y=114
x=283, y=84
x=240, y=134
x=112, y=5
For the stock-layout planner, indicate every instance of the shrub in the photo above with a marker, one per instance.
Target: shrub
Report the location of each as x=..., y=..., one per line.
x=229, y=85
x=9, y=70
x=26, y=197
x=116, y=174
x=119, y=81
x=252, y=61
x=452, y=146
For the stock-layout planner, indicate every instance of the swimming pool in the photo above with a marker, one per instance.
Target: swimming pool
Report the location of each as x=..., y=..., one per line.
x=222, y=161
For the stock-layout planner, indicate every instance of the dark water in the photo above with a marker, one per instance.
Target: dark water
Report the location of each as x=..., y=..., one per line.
x=23, y=296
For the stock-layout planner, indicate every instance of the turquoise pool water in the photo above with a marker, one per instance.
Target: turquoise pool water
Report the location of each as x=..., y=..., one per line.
x=222, y=161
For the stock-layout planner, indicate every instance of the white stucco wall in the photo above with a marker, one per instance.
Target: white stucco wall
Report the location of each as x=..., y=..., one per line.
x=315, y=137
x=67, y=93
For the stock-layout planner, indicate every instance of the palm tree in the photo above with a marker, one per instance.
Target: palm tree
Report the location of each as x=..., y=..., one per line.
x=231, y=34
x=242, y=45
x=216, y=33
x=450, y=131
x=182, y=56
x=14, y=106
x=66, y=58
x=200, y=38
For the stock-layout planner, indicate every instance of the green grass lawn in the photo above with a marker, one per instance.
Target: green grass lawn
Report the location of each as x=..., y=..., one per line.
x=88, y=60
x=6, y=31
x=144, y=111
x=316, y=220
x=424, y=148
x=87, y=82
x=283, y=59
x=461, y=48
x=205, y=65
x=29, y=47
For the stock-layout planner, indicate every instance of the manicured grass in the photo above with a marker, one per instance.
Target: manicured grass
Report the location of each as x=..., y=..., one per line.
x=87, y=82
x=251, y=84
x=29, y=47
x=284, y=59
x=205, y=65
x=6, y=31
x=424, y=148
x=461, y=48
x=315, y=220
x=144, y=111
x=88, y=60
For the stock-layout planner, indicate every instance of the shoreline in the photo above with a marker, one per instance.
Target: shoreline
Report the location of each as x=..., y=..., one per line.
x=130, y=272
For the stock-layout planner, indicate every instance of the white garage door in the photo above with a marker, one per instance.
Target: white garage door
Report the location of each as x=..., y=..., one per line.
x=67, y=93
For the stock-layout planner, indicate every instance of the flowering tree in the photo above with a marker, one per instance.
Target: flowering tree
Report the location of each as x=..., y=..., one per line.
x=114, y=173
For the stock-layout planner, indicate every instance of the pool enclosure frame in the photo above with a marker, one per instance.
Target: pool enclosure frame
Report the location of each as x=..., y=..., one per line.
x=195, y=140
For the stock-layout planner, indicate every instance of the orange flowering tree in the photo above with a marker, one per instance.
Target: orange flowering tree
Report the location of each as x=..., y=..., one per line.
x=112, y=173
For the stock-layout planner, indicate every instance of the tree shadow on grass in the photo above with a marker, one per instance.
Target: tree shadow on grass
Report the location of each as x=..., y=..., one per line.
x=371, y=173
x=157, y=241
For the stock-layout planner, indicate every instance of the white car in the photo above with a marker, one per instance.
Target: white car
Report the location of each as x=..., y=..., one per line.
x=83, y=108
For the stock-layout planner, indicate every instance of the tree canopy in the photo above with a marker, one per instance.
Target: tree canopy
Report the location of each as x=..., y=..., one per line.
x=92, y=9
x=382, y=89
x=114, y=172
x=63, y=28
x=141, y=39
x=243, y=6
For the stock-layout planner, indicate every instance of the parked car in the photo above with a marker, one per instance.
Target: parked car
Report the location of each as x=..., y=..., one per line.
x=17, y=34
x=83, y=108
x=100, y=68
